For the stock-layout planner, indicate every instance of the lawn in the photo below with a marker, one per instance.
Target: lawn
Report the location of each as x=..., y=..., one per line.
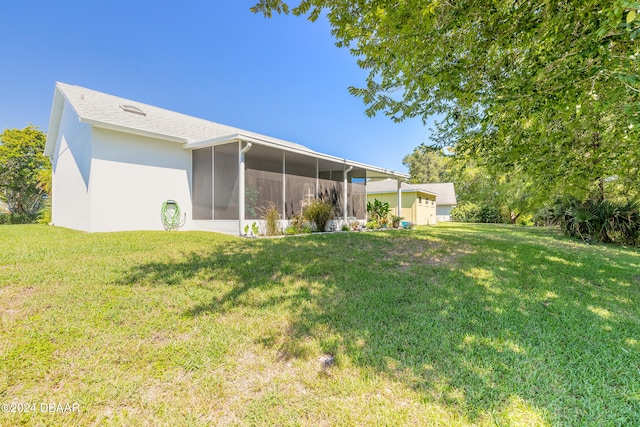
x=448, y=325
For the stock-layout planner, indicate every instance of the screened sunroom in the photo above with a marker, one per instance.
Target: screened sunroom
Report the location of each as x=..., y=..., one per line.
x=235, y=180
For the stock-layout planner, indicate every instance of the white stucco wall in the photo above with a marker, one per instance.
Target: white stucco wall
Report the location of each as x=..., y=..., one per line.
x=71, y=200
x=444, y=212
x=131, y=176
x=219, y=226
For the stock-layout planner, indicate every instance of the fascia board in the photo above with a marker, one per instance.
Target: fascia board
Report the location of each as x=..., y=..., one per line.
x=382, y=192
x=54, y=122
x=402, y=191
x=420, y=190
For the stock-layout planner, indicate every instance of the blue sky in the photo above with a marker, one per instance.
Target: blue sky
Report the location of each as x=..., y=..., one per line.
x=213, y=59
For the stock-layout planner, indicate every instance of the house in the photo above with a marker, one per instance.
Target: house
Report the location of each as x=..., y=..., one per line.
x=445, y=198
x=418, y=205
x=116, y=162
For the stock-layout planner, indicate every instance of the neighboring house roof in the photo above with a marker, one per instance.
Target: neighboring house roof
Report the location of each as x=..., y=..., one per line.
x=391, y=186
x=444, y=191
x=106, y=111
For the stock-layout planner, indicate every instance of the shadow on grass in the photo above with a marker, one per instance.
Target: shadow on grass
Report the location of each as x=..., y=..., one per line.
x=475, y=318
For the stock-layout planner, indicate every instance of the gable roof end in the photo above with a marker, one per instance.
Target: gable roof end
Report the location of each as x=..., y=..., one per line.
x=54, y=122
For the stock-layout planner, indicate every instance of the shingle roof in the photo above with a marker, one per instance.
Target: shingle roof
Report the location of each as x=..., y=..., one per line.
x=103, y=109
x=108, y=111
x=391, y=186
x=445, y=192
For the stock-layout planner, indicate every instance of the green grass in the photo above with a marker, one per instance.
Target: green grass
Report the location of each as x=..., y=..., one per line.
x=449, y=325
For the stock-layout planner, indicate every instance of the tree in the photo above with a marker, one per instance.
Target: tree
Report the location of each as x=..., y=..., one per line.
x=511, y=193
x=548, y=89
x=24, y=170
x=427, y=164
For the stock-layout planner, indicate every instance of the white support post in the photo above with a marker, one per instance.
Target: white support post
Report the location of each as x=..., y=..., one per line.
x=241, y=184
x=346, y=196
x=284, y=185
x=399, y=210
x=213, y=183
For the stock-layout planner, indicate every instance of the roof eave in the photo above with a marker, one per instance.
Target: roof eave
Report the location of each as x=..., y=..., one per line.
x=133, y=131
x=409, y=190
x=212, y=142
x=274, y=143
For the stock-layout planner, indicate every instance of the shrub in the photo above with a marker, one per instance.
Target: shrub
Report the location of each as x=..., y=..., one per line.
x=600, y=220
x=298, y=225
x=465, y=212
x=378, y=211
x=296, y=221
x=617, y=222
x=526, y=220
x=18, y=218
x=476, y=212
x=44, y=216
x=319, y=212
x=291, y=231
x=491, y=214
x=271, y=216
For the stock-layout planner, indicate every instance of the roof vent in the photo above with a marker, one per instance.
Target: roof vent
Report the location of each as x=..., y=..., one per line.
x=132, y=109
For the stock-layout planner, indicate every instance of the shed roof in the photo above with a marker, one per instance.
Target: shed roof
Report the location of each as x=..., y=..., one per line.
x=391, y=186
x=444, y=192
x=115, y=113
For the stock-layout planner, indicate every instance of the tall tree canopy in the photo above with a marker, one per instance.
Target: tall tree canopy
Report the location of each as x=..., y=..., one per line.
x=24, y=170
x=550, y=89
x=427, y=164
